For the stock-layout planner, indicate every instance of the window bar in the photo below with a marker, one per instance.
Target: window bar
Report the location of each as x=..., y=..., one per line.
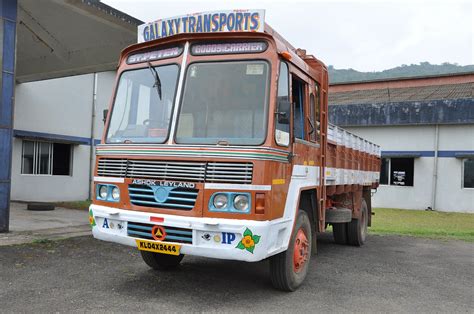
x=23, y=157
x=35, y=161
x=51, y=152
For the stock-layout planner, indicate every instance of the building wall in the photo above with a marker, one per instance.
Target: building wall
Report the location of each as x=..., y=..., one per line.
x=61, y=106
x=450, y=196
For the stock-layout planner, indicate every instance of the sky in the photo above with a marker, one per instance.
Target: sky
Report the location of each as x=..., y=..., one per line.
x=366, y=35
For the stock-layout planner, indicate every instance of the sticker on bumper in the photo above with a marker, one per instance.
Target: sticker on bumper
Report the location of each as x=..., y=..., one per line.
x=249, y=240
x=91, y=218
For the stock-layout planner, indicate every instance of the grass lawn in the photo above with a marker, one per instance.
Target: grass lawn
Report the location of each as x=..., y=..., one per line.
x=74, y=205
x=420, y=223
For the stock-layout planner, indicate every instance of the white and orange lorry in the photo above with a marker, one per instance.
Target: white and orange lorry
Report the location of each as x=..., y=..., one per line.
x=217, y=144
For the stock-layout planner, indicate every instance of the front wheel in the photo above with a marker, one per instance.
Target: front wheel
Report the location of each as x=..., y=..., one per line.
x=288, y=269
x=160, y=261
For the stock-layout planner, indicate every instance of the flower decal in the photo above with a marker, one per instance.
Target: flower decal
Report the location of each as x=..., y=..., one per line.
x=91, y=218
x=248, y=241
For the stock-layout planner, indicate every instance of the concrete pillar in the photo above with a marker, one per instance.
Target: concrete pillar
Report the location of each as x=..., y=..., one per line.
x=8, y=17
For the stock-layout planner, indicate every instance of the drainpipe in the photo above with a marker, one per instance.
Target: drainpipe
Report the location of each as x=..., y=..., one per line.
x=435, y=169
x=92, y=150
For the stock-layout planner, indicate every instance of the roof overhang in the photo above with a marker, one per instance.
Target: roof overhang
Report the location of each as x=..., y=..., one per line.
x=58, y=138
x=401, y=154
x=464, y=154
x=59, y=38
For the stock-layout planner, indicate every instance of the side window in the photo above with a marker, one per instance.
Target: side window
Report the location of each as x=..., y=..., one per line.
x=397, y=171
x=468, y=173
x=312, y=122
x=282, y=128
x=45, y=158
x=317, y=118
x=402, y=171
x=298, y=93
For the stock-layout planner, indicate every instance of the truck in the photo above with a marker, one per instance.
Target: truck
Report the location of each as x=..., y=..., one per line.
x=217, y=144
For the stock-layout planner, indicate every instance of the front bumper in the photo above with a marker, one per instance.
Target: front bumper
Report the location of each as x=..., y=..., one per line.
x=211, y=237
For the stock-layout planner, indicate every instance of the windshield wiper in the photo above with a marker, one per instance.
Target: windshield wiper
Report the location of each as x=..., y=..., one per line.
x=157, y=79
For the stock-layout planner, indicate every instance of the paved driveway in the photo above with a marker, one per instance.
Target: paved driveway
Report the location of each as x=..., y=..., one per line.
x=388, y=274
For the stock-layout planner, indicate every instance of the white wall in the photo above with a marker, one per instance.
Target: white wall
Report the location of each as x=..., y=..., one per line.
x=450, y=193
x=59, y=106
x=450, y=196
x=105, y=85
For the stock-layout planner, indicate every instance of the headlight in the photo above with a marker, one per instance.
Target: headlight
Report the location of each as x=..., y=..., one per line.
x=241, y=202
x=103, y=192
x=220, y=201
x=116, y=193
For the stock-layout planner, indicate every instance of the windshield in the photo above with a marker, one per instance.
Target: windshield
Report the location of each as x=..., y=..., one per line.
x=141, y=112
x=224, y=103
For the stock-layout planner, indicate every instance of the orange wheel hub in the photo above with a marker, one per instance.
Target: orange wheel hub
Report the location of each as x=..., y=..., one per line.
x=300, y=252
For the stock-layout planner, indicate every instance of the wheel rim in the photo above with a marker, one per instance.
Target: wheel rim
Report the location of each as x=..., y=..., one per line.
x=300, y=252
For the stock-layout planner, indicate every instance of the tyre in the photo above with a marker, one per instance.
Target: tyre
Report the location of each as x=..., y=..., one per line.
x=357, y=228
x=40, y=206
x=160, y=261
x=288, y=269
x=339, y=231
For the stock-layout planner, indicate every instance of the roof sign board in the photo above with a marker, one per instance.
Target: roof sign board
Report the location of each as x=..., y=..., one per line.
x=204, y=22
x=155, y=55
x=228, y=48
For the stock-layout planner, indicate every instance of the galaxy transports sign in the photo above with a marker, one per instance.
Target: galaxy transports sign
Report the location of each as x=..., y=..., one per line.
x=205, y=22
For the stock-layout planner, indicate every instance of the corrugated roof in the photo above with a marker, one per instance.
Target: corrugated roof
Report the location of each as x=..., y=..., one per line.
x=436, y=92
x=403, y=78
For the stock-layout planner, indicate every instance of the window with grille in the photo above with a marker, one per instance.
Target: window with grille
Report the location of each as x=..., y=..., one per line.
x=46, y=158
x=468, y=173
x=397, y=171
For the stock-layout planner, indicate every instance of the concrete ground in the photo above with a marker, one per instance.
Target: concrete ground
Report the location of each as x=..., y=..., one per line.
x=29, y=226
x=388, y=274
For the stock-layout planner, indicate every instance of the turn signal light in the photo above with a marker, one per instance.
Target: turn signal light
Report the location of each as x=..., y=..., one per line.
x=260, y=203
x=285, y=55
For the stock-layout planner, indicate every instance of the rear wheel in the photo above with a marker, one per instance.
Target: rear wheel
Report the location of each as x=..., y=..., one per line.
x=160, y=261
x=357, y=228
x=288, y=269
x=339, y=231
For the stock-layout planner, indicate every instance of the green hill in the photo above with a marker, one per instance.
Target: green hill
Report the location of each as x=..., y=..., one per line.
x=422, y=69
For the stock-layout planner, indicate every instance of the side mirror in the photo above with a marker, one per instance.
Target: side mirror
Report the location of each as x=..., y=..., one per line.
x=283, y=112
x=105, y=113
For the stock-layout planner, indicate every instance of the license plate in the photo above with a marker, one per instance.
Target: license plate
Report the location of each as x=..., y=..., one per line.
x=158, y=247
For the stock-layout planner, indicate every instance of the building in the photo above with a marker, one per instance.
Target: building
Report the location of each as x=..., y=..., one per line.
x=56, y=125
x=425, y=127
x=63, y=84
x=58, y=68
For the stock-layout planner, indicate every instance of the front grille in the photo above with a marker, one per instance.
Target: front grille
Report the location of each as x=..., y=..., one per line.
x=163, y=197
x=212, y=172
x=108, y=167
x=173, y=234
x=218, y=172
x=169, y=170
